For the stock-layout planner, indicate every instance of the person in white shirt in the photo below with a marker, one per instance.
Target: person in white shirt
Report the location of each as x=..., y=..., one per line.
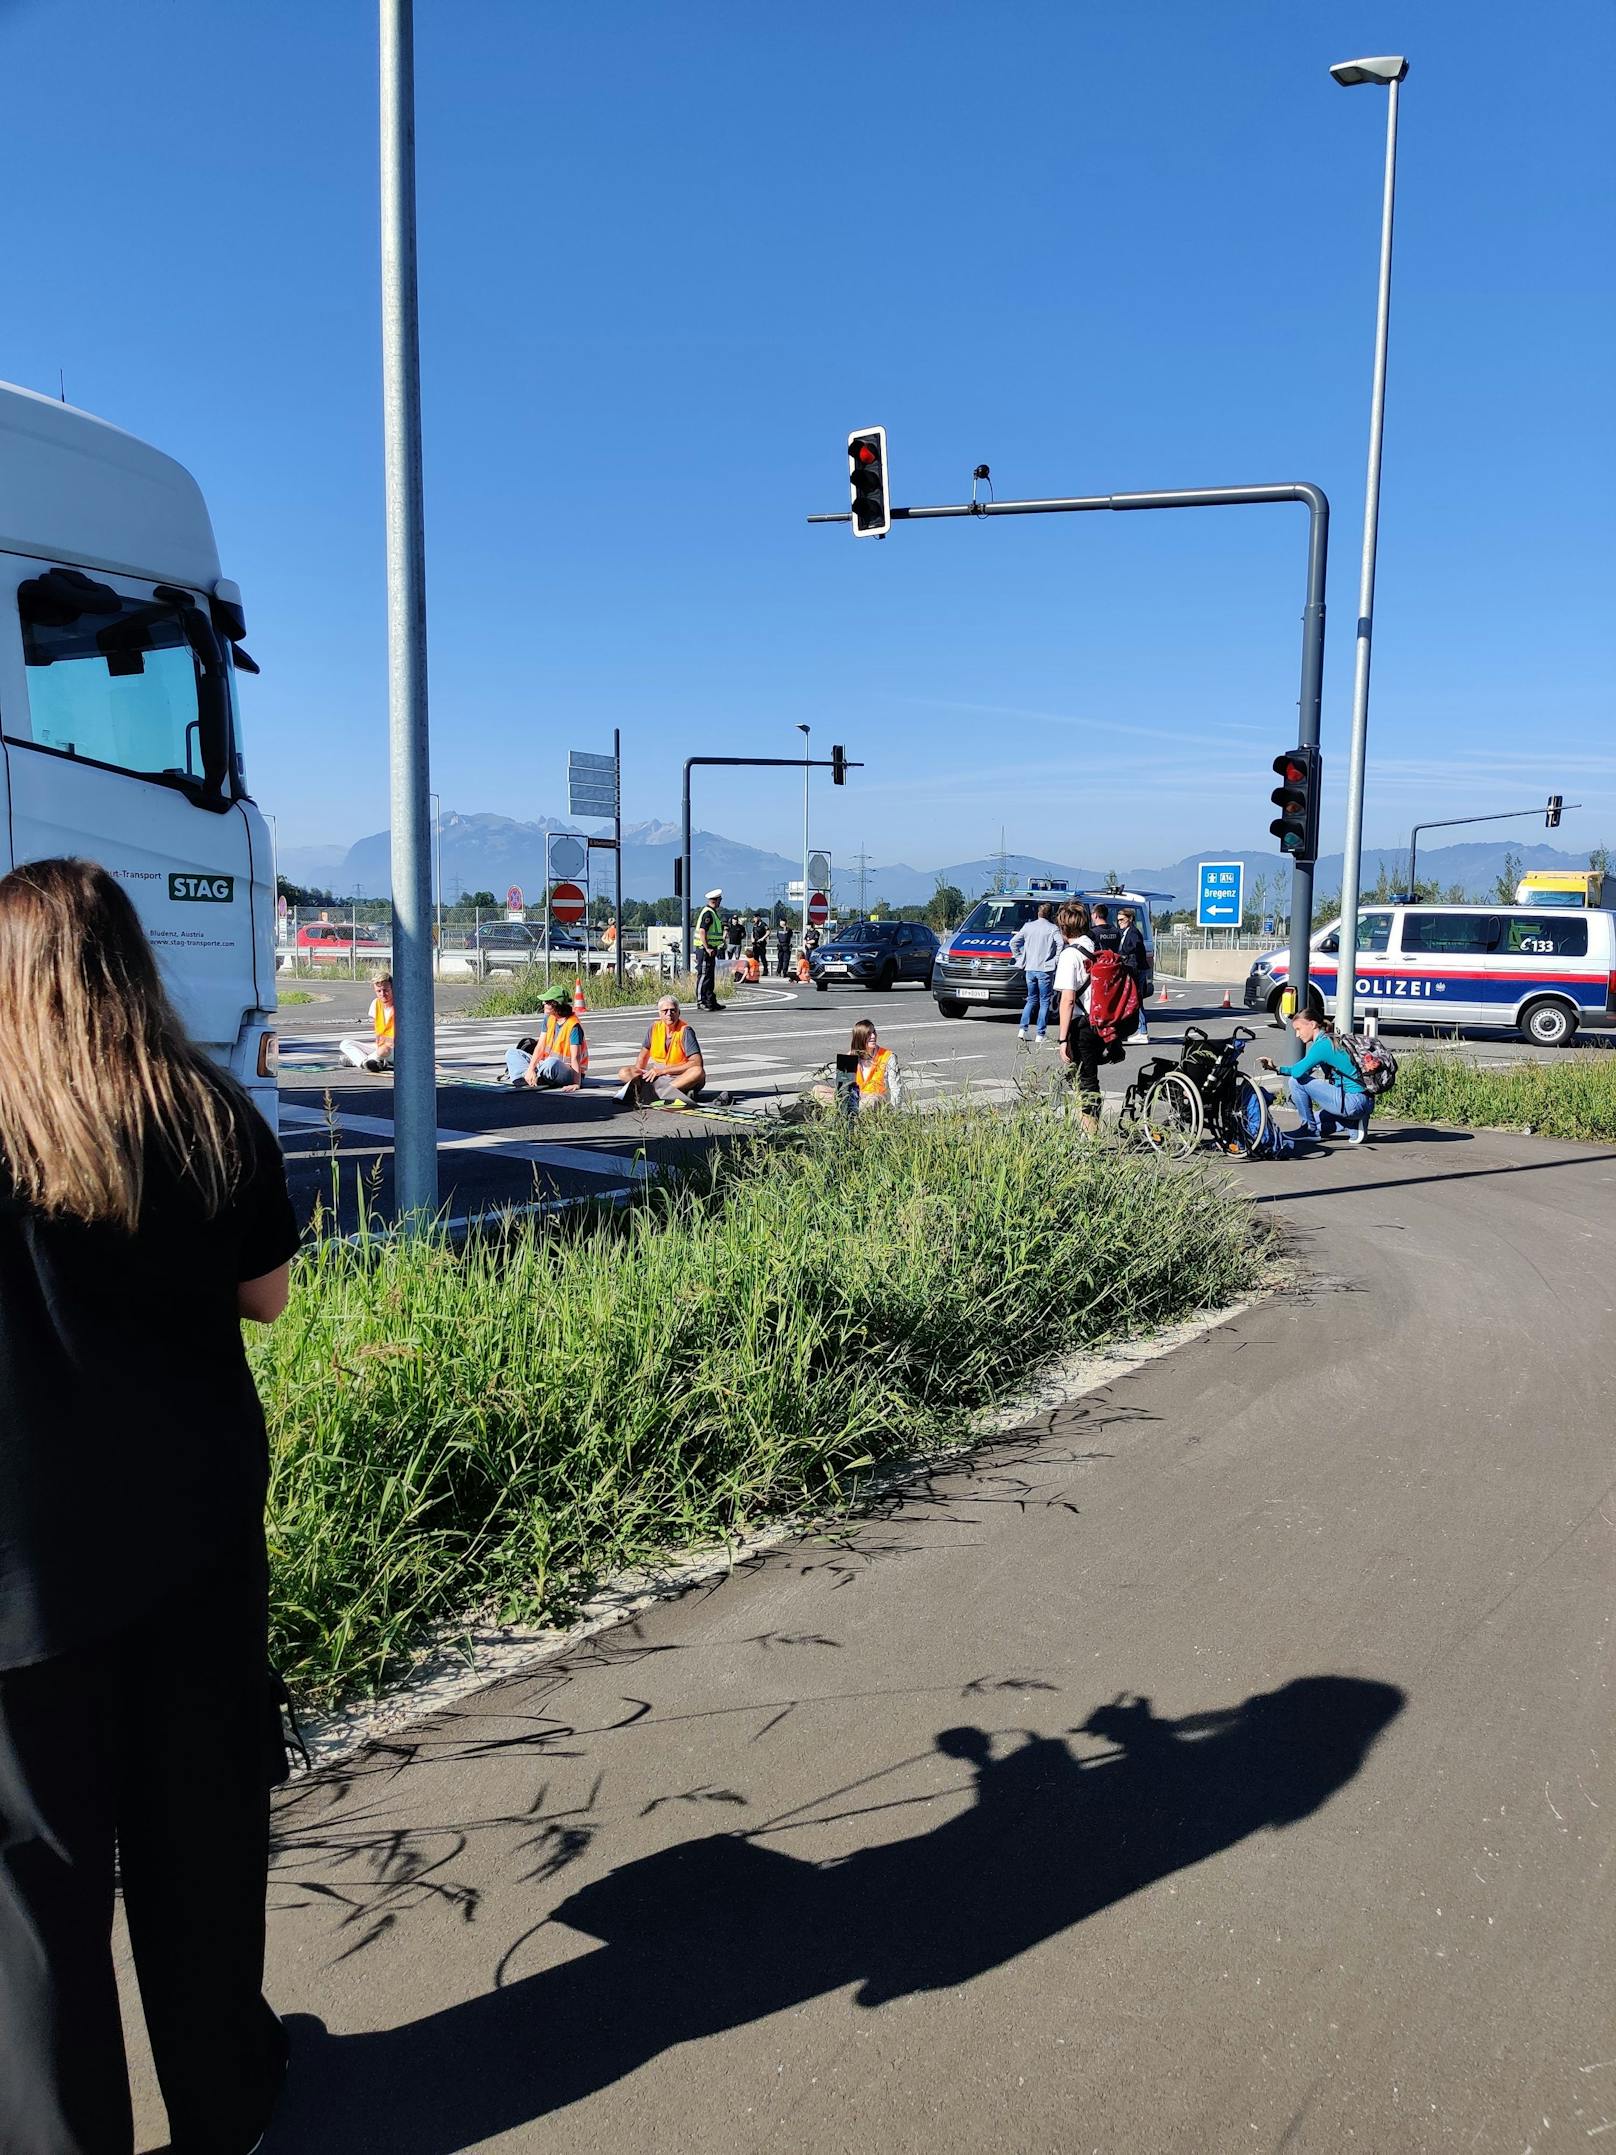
x=1081, y=1045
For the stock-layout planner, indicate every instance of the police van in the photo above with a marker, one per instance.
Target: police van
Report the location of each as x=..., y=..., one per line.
x=1544, y=969
x=974, y=967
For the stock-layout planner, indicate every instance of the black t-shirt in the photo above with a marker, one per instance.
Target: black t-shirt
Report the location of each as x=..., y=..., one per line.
x=132, y=1448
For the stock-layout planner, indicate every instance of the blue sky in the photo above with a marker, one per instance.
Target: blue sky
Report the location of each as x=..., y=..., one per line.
x=670, y=255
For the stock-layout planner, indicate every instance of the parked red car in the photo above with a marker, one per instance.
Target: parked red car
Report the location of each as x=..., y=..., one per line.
x=330, y=941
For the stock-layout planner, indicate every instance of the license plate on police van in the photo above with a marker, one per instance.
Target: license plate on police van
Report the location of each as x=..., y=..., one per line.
x=973, y=995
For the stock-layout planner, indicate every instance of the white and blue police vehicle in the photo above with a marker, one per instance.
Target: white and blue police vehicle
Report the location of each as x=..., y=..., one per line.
x=1546, y=970
x=975, y=969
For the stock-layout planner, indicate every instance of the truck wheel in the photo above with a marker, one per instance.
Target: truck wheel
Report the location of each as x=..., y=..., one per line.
x=949, y=1007
x=1548, y=1024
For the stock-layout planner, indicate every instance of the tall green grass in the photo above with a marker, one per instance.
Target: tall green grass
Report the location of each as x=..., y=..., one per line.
x=1574, y=1098
x=517, y=995
x=498, y=1426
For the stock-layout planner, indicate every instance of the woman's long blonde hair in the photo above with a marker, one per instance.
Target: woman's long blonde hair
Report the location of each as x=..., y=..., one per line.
x=94, y=1063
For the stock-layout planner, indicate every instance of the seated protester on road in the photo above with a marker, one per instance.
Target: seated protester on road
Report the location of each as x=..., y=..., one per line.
x=1101, y=933
x=560, y=1055
x=1323, y=1085
x=143, y=1216
x=873, y=1081
x=669, y=1065
x=377, y=1052
x=1082, y=1049
x=1134, y=952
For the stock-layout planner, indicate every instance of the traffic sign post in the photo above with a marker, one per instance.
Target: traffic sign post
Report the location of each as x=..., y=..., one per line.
x=569, y=903
x=818, y=909
x=1221, y=894
x=595, y=790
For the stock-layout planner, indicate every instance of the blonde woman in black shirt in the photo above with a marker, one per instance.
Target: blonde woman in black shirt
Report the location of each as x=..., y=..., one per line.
x=143, y=1215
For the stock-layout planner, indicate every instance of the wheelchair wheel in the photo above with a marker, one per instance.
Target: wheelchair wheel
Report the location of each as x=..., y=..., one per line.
x=1247, y=1117
x=1172, y=1118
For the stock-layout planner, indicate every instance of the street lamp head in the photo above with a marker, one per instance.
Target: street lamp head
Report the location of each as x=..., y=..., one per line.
x=1391, y=67
x=801, y=727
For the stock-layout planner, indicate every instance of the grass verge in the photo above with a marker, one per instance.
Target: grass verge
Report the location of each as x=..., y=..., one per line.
x=1571, y=1099
x=517, y=995
x=499, y=1426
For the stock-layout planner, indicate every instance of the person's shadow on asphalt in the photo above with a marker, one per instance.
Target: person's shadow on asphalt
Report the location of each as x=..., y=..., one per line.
x=720, y=1931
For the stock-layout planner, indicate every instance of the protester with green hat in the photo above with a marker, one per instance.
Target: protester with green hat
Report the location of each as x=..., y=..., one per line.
x=560, y=1055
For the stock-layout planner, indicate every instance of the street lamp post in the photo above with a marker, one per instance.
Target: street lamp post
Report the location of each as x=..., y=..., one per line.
x=1389, y=72
x=437, y=852
x=803, y=730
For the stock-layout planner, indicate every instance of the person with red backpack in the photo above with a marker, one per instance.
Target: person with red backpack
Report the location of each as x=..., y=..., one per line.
x=1099, y=1008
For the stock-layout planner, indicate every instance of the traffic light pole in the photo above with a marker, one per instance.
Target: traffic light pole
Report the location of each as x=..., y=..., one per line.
x=1447, y=823
x=750, y=763
x=1312, y=691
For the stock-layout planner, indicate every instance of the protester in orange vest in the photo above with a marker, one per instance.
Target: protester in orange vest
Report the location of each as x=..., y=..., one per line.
x=669, y=1065
x=866, y=1076
x=560, y=1055
x=376, y=1053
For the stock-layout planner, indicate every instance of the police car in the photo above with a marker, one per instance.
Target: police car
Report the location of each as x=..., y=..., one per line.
x=1546, y=970
x=974, y=967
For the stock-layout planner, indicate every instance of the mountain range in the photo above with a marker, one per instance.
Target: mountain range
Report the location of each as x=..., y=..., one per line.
x=492, y=852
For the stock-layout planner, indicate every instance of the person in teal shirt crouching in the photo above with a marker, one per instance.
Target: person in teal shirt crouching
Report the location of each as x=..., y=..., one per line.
x=1323, y=1084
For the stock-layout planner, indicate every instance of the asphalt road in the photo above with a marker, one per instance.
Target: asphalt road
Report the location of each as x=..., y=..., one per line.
x=497, y=1146
x=1227, y=1761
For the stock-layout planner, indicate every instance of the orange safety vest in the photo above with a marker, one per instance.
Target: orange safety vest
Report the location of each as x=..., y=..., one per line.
x=564, y=1036
x=668, y=1043
x=383, y=1022
x=872, y=1078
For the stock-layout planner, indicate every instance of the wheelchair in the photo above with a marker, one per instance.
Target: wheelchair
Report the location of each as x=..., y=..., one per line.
x=1205, y=1094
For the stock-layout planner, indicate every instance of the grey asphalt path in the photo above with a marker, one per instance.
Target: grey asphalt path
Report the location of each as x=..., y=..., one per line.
x=877, y=1844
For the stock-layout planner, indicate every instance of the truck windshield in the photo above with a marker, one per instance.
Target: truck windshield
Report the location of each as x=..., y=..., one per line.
x=138, y=684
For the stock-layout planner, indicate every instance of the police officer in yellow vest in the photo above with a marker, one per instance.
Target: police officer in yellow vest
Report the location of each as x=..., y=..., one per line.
x=669, y=1065
x=708, y=939
x=560, y=1055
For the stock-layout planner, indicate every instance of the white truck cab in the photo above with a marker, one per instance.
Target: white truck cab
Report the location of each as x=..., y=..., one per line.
x=119, y=736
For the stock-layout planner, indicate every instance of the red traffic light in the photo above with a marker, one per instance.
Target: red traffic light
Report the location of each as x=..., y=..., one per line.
x=1297, y=799
x=867, y=482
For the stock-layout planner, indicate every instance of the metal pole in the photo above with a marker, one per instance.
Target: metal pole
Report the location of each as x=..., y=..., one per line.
x=415, y=1102
x=617, y=759
x=1413, y=848
x=1351, y=866
x=437, y=902
x=684, y=884
x=803, y=730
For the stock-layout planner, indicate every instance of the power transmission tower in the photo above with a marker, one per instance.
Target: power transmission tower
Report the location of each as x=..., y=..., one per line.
x=861, y=861
x=1002, y=878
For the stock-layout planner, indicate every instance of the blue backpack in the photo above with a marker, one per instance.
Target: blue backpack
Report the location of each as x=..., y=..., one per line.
x=1270, y=1143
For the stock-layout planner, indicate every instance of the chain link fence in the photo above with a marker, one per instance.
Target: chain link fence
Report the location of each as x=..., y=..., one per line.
x=354, y=941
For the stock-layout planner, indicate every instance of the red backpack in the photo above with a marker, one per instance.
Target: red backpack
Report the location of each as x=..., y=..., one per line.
x=1113, y=997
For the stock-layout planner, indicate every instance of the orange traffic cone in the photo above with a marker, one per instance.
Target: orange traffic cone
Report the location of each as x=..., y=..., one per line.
x=580, y=1005
x=1226, y=1004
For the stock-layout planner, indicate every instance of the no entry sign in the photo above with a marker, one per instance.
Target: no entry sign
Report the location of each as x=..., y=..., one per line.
x=818, y=909
x=568, y=904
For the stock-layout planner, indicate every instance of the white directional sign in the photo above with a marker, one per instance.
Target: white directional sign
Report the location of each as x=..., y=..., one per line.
x=592, y=785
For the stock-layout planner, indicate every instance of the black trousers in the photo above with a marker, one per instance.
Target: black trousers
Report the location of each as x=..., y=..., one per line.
x=151, y=1745
x=706, y=984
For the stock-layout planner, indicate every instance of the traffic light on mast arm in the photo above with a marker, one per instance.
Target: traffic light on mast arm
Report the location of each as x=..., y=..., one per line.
x=1297, y=799
x=867, y=481
x=838, y=765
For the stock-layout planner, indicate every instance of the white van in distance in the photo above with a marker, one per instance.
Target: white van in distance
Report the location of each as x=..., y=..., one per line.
x=1546, y=970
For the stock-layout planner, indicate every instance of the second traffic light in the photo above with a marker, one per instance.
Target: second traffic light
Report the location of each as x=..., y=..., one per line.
x=838, y=765
x=867, y=482
x=1297, y=799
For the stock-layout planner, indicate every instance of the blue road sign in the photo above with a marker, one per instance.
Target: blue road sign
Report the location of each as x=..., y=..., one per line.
x=1221, y=902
